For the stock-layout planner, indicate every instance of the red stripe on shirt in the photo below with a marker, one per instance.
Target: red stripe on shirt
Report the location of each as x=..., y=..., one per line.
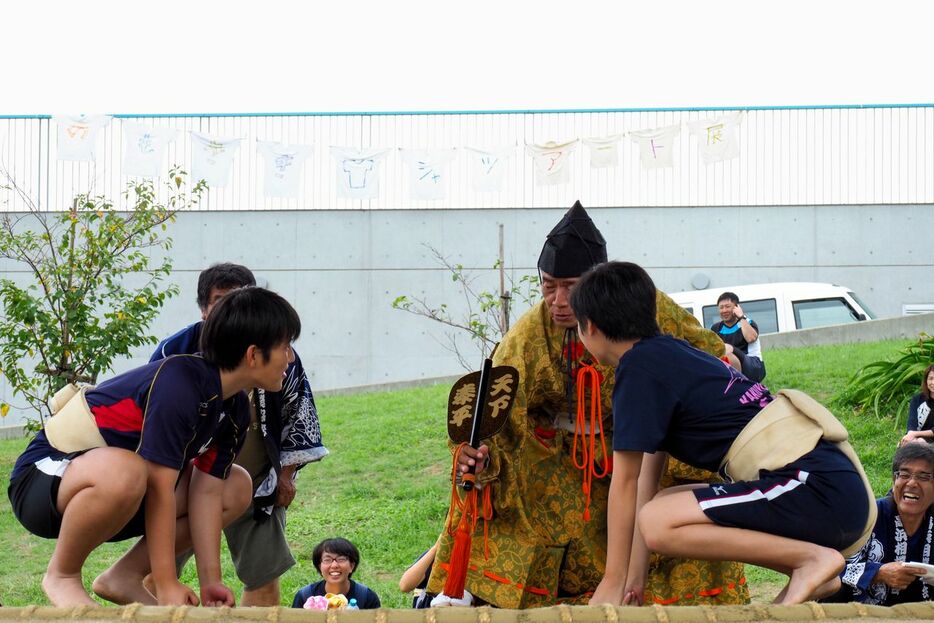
x=124, y=416
x=205, y=462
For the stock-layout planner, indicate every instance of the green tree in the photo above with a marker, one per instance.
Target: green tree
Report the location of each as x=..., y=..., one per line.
x=94, y=285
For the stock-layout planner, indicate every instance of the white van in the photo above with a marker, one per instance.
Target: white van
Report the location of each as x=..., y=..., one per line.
x=778, y=307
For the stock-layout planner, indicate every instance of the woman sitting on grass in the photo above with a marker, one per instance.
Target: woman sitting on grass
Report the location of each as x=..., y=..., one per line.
x=880, y=572
x=336, y=561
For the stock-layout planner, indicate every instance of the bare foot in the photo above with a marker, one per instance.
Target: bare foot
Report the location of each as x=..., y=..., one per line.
x=813, y=576
x=122, y=589
x=66, y=590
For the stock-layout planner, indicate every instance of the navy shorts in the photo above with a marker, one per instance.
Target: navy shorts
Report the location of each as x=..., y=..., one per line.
x=34, y=494
x=820, y=498
x=753, y=368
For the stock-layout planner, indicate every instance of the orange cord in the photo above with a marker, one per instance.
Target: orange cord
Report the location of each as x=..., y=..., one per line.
x=469, y=504
x=588, y=375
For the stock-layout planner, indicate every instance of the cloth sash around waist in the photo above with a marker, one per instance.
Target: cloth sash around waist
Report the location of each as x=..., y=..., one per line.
x=72, y=427
x=785, y=430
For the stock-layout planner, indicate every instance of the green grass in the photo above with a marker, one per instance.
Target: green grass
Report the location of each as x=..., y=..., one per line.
x=385, y=485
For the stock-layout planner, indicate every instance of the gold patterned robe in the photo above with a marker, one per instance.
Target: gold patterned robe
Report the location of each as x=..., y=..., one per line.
x=541, y=550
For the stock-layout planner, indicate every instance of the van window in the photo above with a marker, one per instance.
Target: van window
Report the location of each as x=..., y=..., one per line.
x=762, y=311
x=822, y=312
x=859, y=301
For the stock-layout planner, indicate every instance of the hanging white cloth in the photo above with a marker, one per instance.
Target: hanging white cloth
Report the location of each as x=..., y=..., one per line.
x=657, y=146
x=212, y=158
x=551, y=161
x=488, y=168
x=428, y=172
x=358, y=171
x=77, y=135
x=717, y=139
x=144, y=148
x=604, y=151
x=283, y=167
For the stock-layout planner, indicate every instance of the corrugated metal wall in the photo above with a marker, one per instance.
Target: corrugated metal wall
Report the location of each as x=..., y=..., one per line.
x=788, y=156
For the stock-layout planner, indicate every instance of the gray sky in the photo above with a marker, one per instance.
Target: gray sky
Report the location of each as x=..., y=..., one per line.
x=197, y=56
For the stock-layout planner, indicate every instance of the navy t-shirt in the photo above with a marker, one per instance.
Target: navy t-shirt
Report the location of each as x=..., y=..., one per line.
x=168, y=412
x=184, y=342
x=672, y=397
x=366, y=598
x=919, y=413
x=734, y=335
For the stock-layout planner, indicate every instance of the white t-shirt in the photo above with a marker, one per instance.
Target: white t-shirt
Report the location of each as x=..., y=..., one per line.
x=283, y=167
x=144, y=148
x=551, y=161
x=212, y=158
x=754, y=348
x=604, y=151
x=657, y=146
x=717, y=139
x=488, y=168
x=77, y=135
x=358, y=171
x=428, y=172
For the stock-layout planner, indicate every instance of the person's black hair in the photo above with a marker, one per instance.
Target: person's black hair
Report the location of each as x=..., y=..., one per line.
x=925, y=392
x=619, y=299
x=224, y=276
x=338, y=547
x=913, y=452
x=246, y=317
x=728, y=296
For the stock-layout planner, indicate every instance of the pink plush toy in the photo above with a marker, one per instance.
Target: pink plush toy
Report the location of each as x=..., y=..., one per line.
x=316, y=602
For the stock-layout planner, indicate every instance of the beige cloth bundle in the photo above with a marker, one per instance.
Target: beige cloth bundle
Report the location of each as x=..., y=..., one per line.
x=72, y=427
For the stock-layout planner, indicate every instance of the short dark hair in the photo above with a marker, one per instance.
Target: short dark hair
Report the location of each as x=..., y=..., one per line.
x=913, y=452
x=223, y=276
x=246, y=317
x=728, y=296
x=619, y=298
x=338, y=546
x=925, y=392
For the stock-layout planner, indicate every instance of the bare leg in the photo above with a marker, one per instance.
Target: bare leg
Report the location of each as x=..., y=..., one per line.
x=265, y=595
x=99, y=493
x=123, y=582
x=676, y=526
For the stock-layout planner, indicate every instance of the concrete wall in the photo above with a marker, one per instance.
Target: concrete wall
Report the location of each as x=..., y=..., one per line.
x=342, y=268
x=901, y=328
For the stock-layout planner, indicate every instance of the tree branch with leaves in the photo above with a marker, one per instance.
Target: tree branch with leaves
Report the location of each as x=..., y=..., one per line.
x=94, y=284
x=482, y=317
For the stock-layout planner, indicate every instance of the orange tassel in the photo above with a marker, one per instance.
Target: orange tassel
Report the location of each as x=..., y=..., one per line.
x=460, y=554
x=463, y=534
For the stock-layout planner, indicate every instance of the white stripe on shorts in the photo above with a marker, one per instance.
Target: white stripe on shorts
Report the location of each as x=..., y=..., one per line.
x=52, y=467
x=756, y=494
